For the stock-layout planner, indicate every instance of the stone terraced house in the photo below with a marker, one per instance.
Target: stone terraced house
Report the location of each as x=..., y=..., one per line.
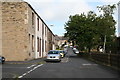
x=24, y=35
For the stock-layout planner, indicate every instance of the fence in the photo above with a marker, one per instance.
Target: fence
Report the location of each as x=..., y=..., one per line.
x=107, y=59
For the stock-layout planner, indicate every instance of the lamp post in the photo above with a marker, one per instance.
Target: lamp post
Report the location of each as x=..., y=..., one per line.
x=51, y=25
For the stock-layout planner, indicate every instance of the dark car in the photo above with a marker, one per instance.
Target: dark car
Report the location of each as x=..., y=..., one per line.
x=2, y=59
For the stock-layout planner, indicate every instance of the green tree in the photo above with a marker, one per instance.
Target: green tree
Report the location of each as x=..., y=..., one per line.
x=106, y=25
x=80, y=28
x=91, y=30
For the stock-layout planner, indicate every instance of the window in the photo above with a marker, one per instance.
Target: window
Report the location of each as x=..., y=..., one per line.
x=42, y=45
x=33, y=18
x=45, y=46
x=32, y=42
x=38, y=23
x=38, y=48
x=42, y=29
x=45, y=31
x=29, y=38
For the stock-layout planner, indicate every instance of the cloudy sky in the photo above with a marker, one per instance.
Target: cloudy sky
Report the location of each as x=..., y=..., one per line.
x=57, y=12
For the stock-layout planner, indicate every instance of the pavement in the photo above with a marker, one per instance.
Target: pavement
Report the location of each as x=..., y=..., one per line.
x=34, y=61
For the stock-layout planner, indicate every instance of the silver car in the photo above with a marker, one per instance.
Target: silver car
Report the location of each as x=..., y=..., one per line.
x=53, y=55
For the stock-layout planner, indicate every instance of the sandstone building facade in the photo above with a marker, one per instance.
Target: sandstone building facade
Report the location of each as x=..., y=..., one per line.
x=25, y=35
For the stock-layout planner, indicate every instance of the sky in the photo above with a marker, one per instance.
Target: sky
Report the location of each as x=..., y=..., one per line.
x=57, y=12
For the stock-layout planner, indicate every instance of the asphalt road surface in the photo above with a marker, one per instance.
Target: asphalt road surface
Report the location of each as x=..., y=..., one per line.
x=70, y=66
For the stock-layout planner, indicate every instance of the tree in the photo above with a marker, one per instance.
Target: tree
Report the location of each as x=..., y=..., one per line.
x=106, y=24
x=80, y=28
x=91, y=30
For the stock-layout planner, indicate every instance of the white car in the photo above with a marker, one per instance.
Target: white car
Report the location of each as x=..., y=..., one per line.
x=53, y=55
x=74, y=48
x=76, y=51
x=71, y=46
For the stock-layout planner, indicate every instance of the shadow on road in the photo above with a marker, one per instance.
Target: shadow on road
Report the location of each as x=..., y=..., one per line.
x=52, y=61
x=73, y=56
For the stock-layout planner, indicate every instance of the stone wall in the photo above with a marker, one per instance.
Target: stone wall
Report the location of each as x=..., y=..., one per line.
x=14, y=31
x=17, y=31
x=31, y=31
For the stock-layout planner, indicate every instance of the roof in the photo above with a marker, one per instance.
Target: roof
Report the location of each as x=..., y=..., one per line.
x=63, y=38
x=60, y=37
x=11, y=0
x=38, y=16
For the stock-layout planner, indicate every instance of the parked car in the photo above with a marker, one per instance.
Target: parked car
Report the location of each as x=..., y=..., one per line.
x=2, y=59
x=76, y=51
x=71, y=46
x=62, y=53
x=53, y=55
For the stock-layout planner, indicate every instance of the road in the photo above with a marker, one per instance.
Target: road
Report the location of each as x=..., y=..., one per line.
x=71, y=66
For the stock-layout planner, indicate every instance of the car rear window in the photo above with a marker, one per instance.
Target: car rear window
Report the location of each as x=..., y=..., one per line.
x=53, y=52
x=61, y=51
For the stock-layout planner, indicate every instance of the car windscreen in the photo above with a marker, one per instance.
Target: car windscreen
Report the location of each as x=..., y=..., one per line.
x=53, y=52
x=61, y=51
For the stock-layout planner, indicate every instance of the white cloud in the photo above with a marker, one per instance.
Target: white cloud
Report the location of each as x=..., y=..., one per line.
x=109, y=1
x=104, y=1
x=59, y=10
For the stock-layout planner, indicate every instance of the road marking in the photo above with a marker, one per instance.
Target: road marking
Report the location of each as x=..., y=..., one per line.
x=30, y=71
x=20, y=76
x=24, y=74
x=31, y=66
x=88, y=64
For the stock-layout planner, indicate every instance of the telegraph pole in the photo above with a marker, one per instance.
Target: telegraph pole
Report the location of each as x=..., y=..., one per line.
x=104, y=44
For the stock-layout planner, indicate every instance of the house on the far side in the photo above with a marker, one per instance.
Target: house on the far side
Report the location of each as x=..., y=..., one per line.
x=60, y=41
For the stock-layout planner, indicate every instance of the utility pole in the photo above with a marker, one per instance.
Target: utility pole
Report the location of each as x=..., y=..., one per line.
x=104, y=43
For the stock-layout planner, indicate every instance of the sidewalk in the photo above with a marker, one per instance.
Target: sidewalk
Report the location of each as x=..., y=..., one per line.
x=34, y=61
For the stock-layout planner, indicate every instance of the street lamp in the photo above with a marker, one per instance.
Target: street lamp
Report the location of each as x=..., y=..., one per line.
x=51, y=25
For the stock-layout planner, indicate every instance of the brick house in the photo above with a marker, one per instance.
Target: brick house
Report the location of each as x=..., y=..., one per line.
x=25, y=35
